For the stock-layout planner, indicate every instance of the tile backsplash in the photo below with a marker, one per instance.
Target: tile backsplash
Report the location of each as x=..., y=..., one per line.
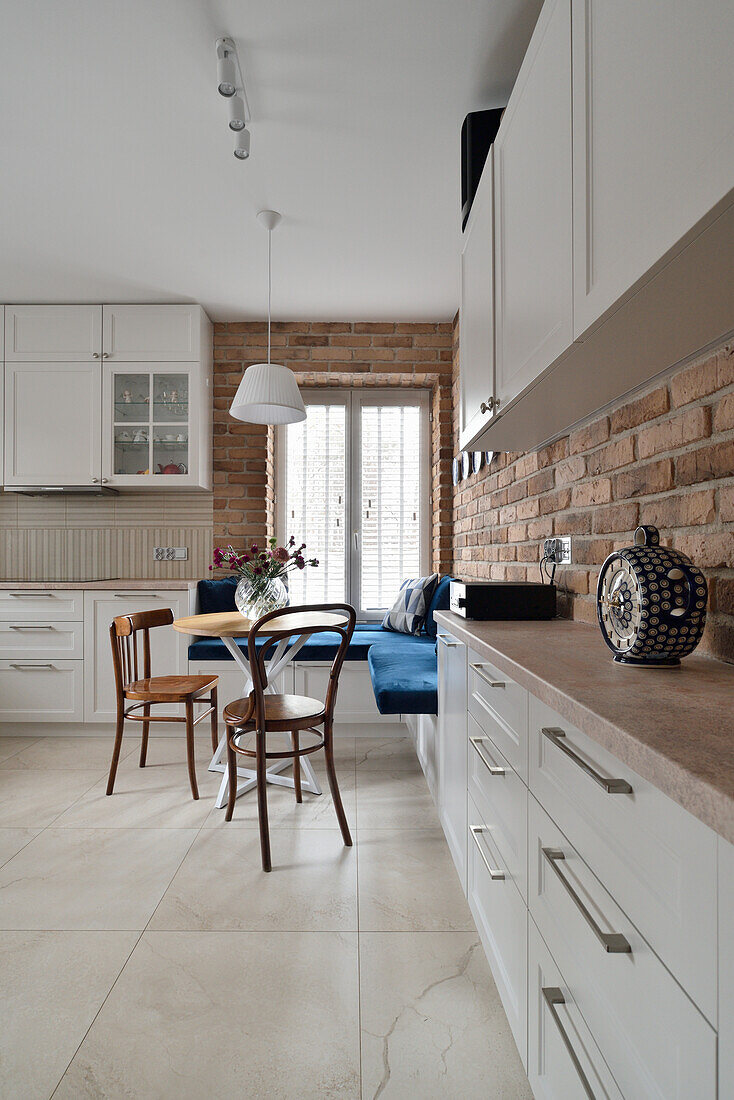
x=94, y=538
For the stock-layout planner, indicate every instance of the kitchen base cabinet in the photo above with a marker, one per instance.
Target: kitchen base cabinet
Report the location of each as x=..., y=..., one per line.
x=33, y=690
x=564, y=1062
x=452, y=748
x=501, y=918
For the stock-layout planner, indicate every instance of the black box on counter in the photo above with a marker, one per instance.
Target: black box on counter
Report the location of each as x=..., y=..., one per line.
x=502, y=599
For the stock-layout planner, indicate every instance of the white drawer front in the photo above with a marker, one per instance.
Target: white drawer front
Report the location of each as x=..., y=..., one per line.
x=564, y=1062
x=38, y=691
x=355, y=701
x=500, y=707
x=19, y=606
x=19, y=641
x=501, y=919
x=657, y=861
x=501, y=798
x=653, y=1038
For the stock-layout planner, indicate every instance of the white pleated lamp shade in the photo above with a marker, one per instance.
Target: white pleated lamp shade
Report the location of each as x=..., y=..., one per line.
x=268, y=394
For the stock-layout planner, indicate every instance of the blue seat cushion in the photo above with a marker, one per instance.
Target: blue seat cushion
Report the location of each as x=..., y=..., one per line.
x=405, y=677
x=319, y=647
x=439, y=602
x=217, y=595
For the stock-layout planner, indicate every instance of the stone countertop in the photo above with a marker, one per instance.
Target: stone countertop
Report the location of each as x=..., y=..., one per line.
x=123, y=583
x=674, y=727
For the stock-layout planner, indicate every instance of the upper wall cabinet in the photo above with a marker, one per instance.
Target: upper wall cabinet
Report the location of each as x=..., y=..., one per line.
x=152, y=333
x=476, y=315
x=53, y=334
x=653, y=111
x=533, y=210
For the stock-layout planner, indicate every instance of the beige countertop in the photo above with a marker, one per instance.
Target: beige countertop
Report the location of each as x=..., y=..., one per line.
x=674, y=727
x=124, y=583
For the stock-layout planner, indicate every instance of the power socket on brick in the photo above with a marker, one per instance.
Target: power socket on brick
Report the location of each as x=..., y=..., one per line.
x=557, y=551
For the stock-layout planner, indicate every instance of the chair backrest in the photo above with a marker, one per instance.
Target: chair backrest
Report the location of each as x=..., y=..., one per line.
x=302, y=619
x=124, y=640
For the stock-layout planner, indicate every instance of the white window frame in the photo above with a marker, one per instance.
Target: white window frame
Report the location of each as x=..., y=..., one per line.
x=353, y=399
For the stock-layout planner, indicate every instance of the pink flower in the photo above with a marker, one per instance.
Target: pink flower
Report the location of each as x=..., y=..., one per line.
x=280, y=553
x=254, y=548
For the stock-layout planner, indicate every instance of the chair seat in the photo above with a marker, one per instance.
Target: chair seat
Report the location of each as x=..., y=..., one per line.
x=288, y=711
x=169, y=688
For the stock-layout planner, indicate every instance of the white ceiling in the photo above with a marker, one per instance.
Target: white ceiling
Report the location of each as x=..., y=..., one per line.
x=118, y=180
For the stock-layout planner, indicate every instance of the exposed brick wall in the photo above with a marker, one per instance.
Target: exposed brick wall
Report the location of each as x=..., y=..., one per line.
x=665, y=457
x=339, y=353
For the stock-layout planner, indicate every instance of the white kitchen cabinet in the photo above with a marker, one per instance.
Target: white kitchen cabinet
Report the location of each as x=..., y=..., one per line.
x=653, y=137
x=55, y=334
x=155, y=425
x=355, y=701
x=726, y=968
x=153, y=333
x=52, y=423
x=51, y=605
x=476, y=314
x=168, y=648
x=452, y=748
x=48, y=690
x=41, y=641
x=533, y=210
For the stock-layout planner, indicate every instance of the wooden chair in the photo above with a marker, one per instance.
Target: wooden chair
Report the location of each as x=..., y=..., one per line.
x=150, y=690
x=263, y=713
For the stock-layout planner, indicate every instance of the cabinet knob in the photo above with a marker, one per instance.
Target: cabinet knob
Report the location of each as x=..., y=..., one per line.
x=95, y=355
x=490, y=405
x=105, y=355
x=104, y=480
x=95, y=480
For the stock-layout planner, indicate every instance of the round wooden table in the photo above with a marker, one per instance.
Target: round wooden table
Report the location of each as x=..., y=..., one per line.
x=229, y=625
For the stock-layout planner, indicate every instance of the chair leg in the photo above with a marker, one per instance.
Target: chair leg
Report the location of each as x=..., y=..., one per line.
x=116, y=751
x=190, y=746
x=262, y=800
x=215, y=729
x=231, y=774
x=296, y=767
x=334, y=786
x=144, y=742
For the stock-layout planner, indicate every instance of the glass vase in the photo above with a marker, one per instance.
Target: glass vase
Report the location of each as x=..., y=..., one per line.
x=256, y=596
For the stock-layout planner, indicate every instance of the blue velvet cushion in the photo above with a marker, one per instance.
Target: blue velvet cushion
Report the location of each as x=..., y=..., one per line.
x=408, y=614
x=319, y=647
x=405, y=677
x=217, y=595
x=439, y=602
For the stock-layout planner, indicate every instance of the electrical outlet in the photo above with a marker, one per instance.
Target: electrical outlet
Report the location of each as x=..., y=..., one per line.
x=170, y=553
x=558, y=551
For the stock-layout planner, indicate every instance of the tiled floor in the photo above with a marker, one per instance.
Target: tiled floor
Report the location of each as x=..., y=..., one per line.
x=144, y=954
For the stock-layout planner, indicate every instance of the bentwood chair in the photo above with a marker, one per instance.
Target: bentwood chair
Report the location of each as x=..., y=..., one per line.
x=149, y=690
x=262, y=713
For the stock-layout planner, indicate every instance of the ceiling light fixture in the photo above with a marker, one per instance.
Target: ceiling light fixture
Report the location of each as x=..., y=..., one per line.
x=268, y=392
x=232, y=87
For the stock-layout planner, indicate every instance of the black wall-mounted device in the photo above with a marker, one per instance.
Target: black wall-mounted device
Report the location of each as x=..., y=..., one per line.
x=502, y=600
x=477, y=134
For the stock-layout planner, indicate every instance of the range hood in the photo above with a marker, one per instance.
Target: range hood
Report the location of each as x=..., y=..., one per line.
x=51, y=490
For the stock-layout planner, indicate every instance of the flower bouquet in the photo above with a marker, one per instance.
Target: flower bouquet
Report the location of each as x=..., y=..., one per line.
x=262, y=586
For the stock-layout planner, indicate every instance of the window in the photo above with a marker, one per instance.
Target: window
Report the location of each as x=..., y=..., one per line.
x=353, y=484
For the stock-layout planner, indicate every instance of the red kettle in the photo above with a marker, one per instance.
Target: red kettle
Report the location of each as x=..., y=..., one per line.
x=172, y=468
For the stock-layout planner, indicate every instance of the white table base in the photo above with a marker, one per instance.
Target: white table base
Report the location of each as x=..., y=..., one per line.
x=282, y=657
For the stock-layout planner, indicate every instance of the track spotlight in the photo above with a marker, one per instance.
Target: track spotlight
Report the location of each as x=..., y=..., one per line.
x=237, y=114
x=227, y=75
x=242, y=145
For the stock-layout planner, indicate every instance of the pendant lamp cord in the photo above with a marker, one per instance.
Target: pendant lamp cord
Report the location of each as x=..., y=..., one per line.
x=270, y=242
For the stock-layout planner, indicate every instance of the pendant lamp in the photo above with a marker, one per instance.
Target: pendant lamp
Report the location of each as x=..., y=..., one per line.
x=268, y=392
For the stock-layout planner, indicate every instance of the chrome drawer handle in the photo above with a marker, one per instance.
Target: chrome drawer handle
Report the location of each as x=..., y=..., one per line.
x=613, y=942
x=446, y=642
x=39, y=627
x=135, y=595
x=553, y=996
x=611, y=786
x=32, y=595
x=479, y=669
x=26, y=666
x=492, y=768
x=494, y=872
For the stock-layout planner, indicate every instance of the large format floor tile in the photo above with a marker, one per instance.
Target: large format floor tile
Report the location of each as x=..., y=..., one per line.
x=35, y=798
x=9, y=746
x=68, y=754
x=234, y=1014
x=90, y=878
x=407, y=882
x=432, y=1022
x=53, y=986
x=12, y=840
x=157, y=797
x=391, y=789
x=221, y=886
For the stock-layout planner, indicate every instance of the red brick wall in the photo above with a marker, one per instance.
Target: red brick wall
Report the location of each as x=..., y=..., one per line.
x=323, y=354
x=665, y=457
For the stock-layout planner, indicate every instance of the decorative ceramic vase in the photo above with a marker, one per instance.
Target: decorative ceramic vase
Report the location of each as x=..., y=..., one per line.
x=255, y=597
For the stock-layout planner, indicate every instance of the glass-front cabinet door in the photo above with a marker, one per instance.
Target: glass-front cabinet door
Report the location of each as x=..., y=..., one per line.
x=151, y=424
